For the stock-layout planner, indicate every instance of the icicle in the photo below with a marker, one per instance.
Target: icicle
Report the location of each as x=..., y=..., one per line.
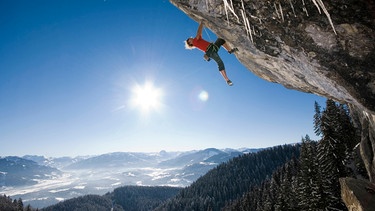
x=304, y=8
x=253, y=30
x=281, y=12
x=317, y=6
x=290, y=1
x=243, y=10
x=246, y=22
x=226, y=7
x=277, y=12
x=260, y=20
x=226, y=12
x=231, y=4
x=325, y=12
x=248, y=25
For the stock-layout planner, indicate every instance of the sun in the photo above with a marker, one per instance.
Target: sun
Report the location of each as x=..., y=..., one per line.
x=146, y=97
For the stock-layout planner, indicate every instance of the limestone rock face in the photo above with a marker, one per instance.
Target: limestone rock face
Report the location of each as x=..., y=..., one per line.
x=358, y=195
x=326, y=47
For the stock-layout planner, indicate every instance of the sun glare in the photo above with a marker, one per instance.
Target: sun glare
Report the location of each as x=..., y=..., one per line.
x=146, y=97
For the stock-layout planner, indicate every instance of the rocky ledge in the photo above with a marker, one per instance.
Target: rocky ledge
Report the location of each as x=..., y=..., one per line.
x=314, y=46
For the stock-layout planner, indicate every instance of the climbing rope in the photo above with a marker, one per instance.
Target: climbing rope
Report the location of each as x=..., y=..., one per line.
x=208, y=35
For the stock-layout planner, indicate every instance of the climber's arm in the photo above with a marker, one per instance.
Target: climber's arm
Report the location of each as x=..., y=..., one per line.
x=200, y=29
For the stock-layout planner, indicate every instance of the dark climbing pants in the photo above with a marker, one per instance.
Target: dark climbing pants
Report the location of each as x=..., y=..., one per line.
x=212, y=50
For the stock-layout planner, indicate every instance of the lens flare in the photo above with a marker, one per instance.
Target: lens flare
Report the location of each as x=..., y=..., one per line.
x=203, y=96
x=198, y=98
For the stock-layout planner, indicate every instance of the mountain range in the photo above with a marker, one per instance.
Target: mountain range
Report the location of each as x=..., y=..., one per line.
x=42, y=181
x=215, y=190
x=16, y=171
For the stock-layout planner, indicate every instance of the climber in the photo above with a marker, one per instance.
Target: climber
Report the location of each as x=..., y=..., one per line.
x=210, y=50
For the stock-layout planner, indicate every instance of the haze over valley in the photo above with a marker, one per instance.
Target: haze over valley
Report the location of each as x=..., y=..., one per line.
x=42, y=181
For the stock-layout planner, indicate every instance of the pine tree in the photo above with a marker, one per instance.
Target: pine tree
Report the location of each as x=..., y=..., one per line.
x=332, y=152
x=317, y=119
x=289, y=186
x=267, y=204
x=348, y=133
x=20, y=204
x=281, y=201
x=309, y=177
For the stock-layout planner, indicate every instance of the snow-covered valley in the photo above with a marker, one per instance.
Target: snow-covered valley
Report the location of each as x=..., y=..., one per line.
x=66, y=177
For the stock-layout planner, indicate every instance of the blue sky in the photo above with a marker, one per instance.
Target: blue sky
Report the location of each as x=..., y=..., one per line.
x=68, y=71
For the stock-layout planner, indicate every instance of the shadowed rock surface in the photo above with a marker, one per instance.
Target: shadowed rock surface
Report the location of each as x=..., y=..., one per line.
x=359, y=195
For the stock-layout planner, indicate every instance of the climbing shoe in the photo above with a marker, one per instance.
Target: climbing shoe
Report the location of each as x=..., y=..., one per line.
x=233, y=50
